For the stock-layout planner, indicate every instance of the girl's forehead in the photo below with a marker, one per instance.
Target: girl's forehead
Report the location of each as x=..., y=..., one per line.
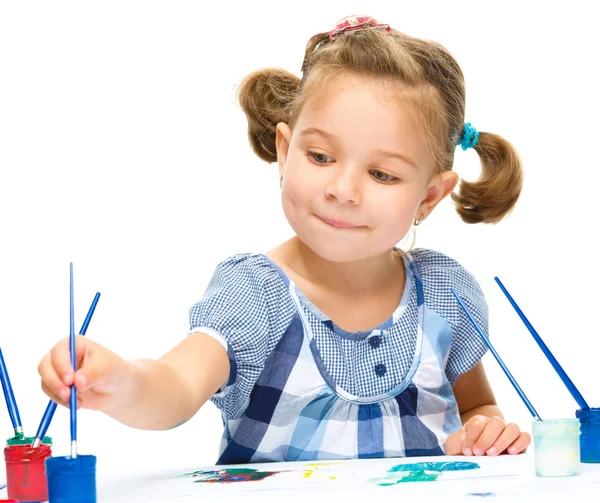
x=361, y=100
x=361, y=112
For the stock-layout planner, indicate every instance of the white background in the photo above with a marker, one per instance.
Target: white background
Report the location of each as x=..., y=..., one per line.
x=122, y=149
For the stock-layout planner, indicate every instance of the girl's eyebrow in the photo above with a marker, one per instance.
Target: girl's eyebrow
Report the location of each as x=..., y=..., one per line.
x=395, y=155
x=383, y=153
x=320, y=132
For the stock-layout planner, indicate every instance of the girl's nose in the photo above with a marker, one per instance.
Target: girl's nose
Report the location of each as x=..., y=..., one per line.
x=344, y=186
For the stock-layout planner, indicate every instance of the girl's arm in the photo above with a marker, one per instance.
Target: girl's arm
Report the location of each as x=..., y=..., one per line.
x=145, y=394
x=484, y=431
x=475, y=396
x=167, y=392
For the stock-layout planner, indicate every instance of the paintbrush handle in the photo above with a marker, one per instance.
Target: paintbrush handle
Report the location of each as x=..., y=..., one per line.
x=45, y=423
x=73, y=349
x=498, y=359
x=559, y=370
x=9, y=396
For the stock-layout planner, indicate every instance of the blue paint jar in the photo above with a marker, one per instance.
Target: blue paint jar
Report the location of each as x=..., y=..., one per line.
x=71, y=480
x=590, y=435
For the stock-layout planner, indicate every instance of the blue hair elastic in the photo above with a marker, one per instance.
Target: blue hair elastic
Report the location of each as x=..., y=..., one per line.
x=469, y=138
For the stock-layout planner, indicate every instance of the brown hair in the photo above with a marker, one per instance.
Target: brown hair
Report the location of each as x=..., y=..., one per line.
x=426, y=72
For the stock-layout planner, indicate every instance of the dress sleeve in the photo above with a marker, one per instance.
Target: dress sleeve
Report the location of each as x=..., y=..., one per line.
x=235, y=311
x=441, y=273
x=467, y=347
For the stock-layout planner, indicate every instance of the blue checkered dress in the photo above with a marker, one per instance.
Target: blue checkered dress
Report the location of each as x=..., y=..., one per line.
x=302, y=388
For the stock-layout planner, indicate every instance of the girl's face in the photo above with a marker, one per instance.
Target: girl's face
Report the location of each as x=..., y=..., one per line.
x=355, y=171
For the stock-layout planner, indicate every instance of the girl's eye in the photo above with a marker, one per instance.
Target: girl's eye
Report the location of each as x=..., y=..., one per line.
x=320, y=158
x=382, y=177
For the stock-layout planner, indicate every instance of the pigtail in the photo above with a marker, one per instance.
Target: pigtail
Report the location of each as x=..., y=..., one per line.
x=266, y=97
x=497, y=190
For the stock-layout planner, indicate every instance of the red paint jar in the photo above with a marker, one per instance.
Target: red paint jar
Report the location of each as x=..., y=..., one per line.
x=25, y=472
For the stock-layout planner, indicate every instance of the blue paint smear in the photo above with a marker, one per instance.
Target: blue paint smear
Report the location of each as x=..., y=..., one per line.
x=421, y=472
x=483, y=495
x=449, y=466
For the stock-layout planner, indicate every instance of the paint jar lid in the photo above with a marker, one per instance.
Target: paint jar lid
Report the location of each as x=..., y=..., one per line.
x=21, y=440
x=589, y=415
x=557, y=427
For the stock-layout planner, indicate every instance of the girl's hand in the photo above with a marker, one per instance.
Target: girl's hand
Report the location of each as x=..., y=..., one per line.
x=101, y=374
x=489, y=436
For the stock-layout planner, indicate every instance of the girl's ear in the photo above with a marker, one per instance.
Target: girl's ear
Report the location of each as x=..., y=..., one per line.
x=440, y=186
x=282, y=143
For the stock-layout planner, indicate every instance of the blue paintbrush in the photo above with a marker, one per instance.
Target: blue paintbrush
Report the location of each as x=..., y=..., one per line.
x=559, y=370
x=73, y=402
x=51, y=409
x=11, y=403
x=498, y=359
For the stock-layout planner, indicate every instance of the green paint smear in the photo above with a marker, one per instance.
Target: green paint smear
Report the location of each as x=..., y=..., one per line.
x=231, y=475
x=420, y=472
x=20, y=439
x=392, y=479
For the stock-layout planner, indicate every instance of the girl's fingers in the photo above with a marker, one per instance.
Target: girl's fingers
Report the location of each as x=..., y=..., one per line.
x=455, y=443
x=60, y=357
x=507, y=437
x=520, y=445
x=474, y=427
x=50, y=378
x=493, y=429
x=65, y=403
x=61, y=361
x=53, y=396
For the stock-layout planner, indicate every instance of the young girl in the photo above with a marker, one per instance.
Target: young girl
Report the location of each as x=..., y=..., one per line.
x=336, y=344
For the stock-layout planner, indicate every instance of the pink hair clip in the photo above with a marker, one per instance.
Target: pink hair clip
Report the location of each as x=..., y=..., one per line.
x=353, y=23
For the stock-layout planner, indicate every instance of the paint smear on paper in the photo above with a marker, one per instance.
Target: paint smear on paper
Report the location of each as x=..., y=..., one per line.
x=251, y=474
x=482, y=495
x=420, y=472
x=229, y=475
x=315, y=468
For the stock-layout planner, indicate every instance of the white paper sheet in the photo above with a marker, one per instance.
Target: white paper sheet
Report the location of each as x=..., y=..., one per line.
x=504, y=478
